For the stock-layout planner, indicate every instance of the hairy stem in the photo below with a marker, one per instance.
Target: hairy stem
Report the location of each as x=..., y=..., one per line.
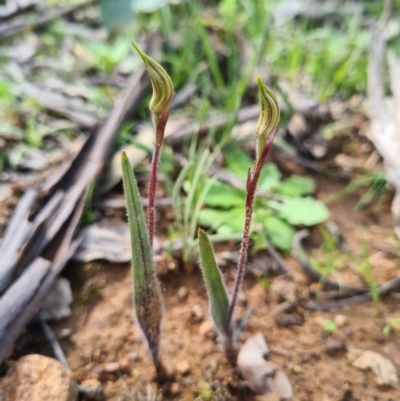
x=160, y=123
x=251, y=188
x=151, y=211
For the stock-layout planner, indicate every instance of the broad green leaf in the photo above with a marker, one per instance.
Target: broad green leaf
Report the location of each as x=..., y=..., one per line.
x=307, y=211
x=225, y=196
x=279, y=232
x=116, y=13
x=238, y=162
x=223, y=221
x=217, y=294
x=296, y=185
x=146, y=294
x=269, y=177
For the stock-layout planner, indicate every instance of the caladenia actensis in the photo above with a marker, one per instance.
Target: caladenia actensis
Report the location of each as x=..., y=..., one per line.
x=146, y=289
x=160, y=105
x=221, y=309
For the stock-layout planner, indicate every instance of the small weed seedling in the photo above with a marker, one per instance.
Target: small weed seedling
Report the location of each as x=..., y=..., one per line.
x=147, y=296
x=221, y=308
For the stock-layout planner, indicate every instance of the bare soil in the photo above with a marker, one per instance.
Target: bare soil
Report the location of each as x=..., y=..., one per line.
x=106, y=348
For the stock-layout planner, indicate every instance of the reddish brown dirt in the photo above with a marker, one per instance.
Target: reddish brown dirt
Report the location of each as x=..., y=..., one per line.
x=104, y=331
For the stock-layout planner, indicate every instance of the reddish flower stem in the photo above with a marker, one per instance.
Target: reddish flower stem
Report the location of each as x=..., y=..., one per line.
x=160, y=123
x=151, y=210
x=251, y=188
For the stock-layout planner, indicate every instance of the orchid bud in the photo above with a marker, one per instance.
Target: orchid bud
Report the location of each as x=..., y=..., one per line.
x=163, y=88
x=269, y=116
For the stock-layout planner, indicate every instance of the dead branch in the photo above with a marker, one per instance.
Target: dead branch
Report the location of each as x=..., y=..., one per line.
x=38, y=244
x=13, y=28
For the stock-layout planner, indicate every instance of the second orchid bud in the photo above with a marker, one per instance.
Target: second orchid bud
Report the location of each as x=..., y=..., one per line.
x=163, y=89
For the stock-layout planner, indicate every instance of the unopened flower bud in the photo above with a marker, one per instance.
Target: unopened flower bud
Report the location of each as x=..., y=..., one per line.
x=269, y=116
x=163, y=88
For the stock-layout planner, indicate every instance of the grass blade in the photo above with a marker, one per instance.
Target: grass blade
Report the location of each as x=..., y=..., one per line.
x=217, y=294
x=147, y=297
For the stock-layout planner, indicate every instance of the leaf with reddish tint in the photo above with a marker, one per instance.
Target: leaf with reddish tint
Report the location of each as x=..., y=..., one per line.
x=146, y=293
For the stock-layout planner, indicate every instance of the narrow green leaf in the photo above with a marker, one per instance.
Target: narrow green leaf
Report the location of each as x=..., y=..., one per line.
x=146, y=294
x=214, y=282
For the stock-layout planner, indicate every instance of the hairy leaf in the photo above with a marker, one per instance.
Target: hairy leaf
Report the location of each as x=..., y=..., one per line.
x=218, y=297
x=146, y=294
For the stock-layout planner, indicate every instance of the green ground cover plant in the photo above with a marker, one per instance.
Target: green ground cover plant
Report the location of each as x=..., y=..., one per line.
x=282, y=204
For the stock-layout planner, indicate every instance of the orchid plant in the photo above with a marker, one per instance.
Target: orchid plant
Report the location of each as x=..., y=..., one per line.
x=147, y=296
x=221, y=308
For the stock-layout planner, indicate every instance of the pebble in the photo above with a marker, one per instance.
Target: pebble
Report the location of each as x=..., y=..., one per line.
x=384, y=369
x=111, y=367
x=38, y=378
x=340, y=320
x=206, y=328
x=124, y=365
x=133, y=356
x=197, y=314
x=91, y=389
x=182, y=293
x=175, y=388
x=334, y=346
x=297, y=369
x=65, y=333
x=182, y=367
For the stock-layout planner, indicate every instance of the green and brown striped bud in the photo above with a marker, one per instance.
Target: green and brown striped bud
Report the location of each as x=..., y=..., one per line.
x=163, y=89
x=269, y=116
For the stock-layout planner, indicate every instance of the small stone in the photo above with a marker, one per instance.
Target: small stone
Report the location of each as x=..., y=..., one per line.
x=65, y=333
x=383, y=368
x=206, y=328
x=297, y=369
x=182, y=293
x=111, y=367
x=38, y=378
x=175, y=388
x=197, y=314
x=182, y=367
x=90, y=383
x=91, y=389
x=334, y=346
x=133, y=356
x=124, y=365
x=340, y=320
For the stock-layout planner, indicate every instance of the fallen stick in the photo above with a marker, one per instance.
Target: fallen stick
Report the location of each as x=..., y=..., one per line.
x=382, y=290
x=50, y=242
x=14, y=28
